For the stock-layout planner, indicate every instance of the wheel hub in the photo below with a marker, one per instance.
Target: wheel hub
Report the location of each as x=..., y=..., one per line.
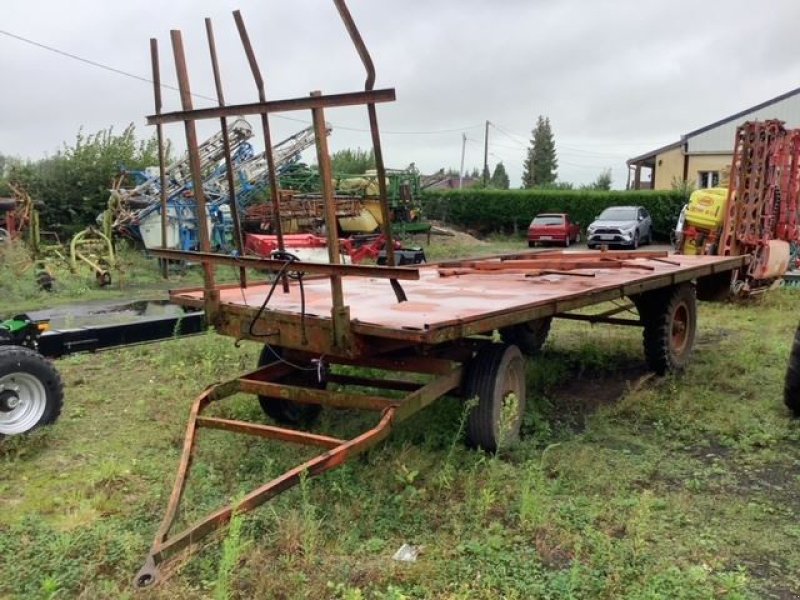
x=23, y=401
x=9, y=400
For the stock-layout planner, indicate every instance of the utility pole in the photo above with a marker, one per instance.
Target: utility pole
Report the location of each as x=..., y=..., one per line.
x=461, y=170
x=485, y=153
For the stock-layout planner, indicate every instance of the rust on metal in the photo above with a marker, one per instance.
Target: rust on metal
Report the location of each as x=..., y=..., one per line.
x=268, y=264
x=212, y=295
x=444, y=309
x=162, y=172
x=275, y=106
x=226, y=145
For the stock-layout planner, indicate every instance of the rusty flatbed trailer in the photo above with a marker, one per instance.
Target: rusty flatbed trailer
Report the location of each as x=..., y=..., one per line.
x=427, y=331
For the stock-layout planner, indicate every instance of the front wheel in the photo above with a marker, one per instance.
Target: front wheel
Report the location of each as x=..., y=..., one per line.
x=31, y=391
x=288, y=412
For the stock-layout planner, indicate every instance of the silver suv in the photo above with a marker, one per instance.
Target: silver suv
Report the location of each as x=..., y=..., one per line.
x=627, y=226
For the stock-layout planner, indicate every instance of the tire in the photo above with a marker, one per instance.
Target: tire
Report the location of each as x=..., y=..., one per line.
x=288, y=412
x=530, y=336
x=791, y=385
x=531, y=244
x=670, y=323
x=495, y=373
x=31, y=391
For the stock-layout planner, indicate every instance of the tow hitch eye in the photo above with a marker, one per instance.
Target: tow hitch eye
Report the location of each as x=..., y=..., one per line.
x=8, y=401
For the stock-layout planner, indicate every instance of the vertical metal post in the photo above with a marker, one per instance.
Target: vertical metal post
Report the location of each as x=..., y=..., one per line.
x=339, y=312
x=211, y=296
x=162, y=172
x=486, y=154
x=262, y=97
x=461, y=170
x=369, y=84
x=226, y=144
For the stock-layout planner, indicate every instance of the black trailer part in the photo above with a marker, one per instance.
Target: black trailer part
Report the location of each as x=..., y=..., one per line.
x=31, y=390
x=61, y=342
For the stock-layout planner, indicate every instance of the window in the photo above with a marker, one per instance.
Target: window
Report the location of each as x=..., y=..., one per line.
x=707, y=179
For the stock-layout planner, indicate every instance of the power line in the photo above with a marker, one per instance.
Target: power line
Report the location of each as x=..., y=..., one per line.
x=117, y=71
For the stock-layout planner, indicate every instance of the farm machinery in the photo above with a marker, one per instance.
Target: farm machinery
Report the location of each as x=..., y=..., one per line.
x=31, y=390
x=419, y=332
x=757, y=215
x=88, y=249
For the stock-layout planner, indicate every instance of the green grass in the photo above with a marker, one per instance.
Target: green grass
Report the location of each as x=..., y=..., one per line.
x=624, y=485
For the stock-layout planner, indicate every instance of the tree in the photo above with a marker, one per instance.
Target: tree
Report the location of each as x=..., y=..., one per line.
x=352, y=162
x=541, y=164
x=73, y=185
x=499, y=178
x=602, y=183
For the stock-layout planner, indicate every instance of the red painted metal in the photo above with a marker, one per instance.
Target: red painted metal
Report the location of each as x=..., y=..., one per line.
x=763, y=196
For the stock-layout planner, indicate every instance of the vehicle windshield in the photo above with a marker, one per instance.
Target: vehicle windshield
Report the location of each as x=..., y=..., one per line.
x=548, y=220
x=619, y=213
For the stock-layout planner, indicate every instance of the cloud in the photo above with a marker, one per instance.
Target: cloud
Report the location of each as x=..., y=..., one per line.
x=616, y=78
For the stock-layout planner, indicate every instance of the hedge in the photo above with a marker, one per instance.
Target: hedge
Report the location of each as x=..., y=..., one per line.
x=510, y=211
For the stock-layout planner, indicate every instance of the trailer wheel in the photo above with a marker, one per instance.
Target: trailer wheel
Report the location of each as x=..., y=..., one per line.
x=496, y=376
x=529, y=336
x=670, y=323
x=31, y=391
x=791, y=386
x=288, y=412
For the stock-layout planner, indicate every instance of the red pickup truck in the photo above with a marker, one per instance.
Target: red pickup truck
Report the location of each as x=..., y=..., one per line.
x=553, y=228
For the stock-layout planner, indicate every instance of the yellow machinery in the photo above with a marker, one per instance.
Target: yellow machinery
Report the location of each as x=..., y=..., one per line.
x=704, y=220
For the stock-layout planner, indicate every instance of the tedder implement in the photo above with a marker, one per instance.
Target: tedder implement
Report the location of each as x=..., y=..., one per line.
x=422, y=331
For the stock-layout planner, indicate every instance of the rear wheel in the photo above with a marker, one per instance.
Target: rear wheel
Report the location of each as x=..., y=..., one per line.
x=496, y=377
x=529, y=336
x=670, y=323
x=288, y=412
x=791, y=385
x=31, y=391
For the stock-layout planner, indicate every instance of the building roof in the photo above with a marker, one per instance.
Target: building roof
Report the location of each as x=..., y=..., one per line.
x=715, y=124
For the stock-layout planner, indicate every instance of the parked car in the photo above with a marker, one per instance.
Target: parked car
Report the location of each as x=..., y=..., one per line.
x=621, y=226
x=553, y=228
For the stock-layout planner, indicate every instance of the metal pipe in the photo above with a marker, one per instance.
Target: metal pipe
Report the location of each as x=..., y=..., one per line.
x=272, y=176
x=211, y=295
x=226, y=145
x=369, y=67
x=162, y=169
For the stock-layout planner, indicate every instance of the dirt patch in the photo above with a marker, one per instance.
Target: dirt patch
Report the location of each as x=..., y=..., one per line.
x=581, y=396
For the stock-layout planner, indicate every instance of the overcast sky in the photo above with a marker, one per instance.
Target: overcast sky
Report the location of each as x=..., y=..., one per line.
x=615, y=77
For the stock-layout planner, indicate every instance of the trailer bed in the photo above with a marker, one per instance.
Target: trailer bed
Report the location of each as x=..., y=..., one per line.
x=441, y=309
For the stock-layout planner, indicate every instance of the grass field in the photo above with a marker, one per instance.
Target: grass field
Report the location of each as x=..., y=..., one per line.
x=624, y=485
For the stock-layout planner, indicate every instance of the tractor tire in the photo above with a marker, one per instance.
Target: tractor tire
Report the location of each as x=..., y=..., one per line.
x=669, y=317
x=494, y=376
x=530, y=336
x=287, y=412
x=31, y=391
x=791, y=385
